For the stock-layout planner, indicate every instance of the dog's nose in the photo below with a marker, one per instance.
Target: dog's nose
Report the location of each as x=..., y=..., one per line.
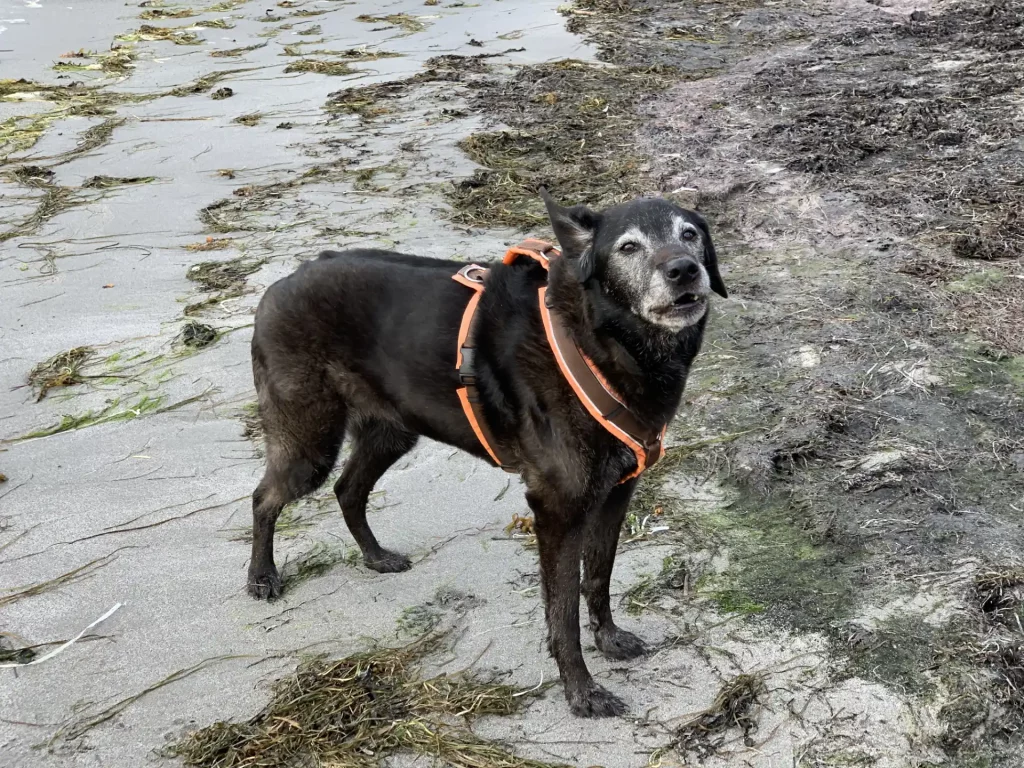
x=681, y=270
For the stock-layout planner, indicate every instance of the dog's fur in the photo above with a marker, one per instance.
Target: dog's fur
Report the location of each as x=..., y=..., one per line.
x=363, y=343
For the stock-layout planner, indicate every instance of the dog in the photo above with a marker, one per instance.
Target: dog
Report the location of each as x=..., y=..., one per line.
x=363, y=344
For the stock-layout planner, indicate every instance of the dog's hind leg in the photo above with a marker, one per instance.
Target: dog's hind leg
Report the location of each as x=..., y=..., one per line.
x=602, y=538
x=377, y=444
x=299, y=459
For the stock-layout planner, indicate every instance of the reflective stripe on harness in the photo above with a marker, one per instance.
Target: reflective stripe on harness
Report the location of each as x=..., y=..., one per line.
x=595, y=393
x=473, y=276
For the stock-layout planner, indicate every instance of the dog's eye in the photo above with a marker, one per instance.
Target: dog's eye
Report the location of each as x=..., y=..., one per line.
x=629, y=247
x=689, y=234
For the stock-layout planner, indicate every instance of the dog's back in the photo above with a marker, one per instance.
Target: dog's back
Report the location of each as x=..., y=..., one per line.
x=344, y=345
x=354, y=306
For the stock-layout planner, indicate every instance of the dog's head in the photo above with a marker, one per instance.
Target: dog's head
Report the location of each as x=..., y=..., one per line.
x=649, y=256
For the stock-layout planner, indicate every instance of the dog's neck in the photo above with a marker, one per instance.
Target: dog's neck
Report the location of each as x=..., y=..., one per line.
x=645, y=363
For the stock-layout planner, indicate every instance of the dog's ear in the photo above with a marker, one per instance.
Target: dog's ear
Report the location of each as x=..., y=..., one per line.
x=711, y=259
x=575, y=229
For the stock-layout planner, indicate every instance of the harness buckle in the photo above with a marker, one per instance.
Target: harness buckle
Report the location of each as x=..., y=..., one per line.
x=467, y=371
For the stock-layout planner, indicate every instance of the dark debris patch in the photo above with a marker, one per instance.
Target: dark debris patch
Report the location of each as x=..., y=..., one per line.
x=734, y=708
x=360, y=711
x=54, y=200
x=149, y=33
x=108, y=182
x=367, y=102
x=250, y=120
x=32, y=175
x=224, y=279
x=982, y=661
x=696, y=37
x=919, y=115
x=211, y=244
x=167, y=13
x=15, y=655
x=197, y=335
x=321, y=67
x=226, y=53
x=233, y=214
x=988, y=302
x=409, y=24
x=999, y=594
x=899, y=652
x=63, y=370
x=203, y=84
x=222, y=275
x=319, y=560
x=578, y=123
x=373, y=101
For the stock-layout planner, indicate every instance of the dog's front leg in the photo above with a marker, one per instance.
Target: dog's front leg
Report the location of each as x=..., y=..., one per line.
x=602, y=539
x=560, y=535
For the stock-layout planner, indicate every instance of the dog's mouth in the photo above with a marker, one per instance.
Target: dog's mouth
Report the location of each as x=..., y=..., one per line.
x=687, y=300
x=684, y=304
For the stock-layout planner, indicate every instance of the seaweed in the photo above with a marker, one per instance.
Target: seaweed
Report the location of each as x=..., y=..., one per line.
x=62, y=370
x=205, y=83
x=358, y=711
x=320, y=67
x=733, y=707
x=409, y=24
x=235, y=52
x=581, y=118
x=197, y=335
x=249, y=120
x=163, y=13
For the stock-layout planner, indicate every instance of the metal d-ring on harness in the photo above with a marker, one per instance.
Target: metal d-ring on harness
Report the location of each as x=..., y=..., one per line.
x=594, y=392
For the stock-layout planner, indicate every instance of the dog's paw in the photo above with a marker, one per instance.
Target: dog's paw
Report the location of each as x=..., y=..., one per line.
x=264, y=584
x=388, y=562
x=619, y=644
x=594, y=701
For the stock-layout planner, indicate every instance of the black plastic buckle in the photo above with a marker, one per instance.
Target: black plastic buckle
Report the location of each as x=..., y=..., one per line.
x=467, y=371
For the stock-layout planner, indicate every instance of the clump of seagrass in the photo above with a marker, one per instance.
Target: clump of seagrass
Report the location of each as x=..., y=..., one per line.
x=1000, y=595
x=197, y=335
x=577, y=120
x=320, y=67
x=409, y=24
x=63, y=370
x=733, y=707
x=358, y=711
x=224, y=279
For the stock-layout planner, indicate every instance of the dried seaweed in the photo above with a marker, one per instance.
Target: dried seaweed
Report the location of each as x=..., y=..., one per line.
x=62, y=370
x=70, y=577
x=358, y=711
x=580, y=119
x=733, y=707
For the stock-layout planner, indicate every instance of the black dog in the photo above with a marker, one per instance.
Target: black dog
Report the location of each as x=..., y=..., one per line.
x=363, y=343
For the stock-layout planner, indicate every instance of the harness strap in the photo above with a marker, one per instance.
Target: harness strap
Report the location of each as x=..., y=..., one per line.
x=537, y=250
x=598, y=396
x=593, y=390
x=472, y=276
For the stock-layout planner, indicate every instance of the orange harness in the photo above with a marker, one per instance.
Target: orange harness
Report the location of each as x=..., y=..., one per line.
x=586, y=380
